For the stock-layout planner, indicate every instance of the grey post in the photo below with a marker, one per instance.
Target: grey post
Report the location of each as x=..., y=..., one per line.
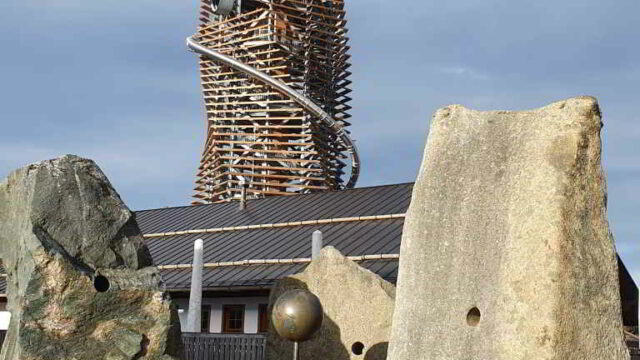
x=296, y=350
x=316, y=244
x=243, y=194
x=195, y=297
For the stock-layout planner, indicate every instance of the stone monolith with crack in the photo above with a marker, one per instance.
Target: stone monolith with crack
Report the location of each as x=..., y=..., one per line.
x=506, y=251
x=79, y=279
x=358, y=307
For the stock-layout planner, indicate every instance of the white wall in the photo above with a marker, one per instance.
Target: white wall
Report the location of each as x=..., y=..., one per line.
x=251, y=318
x=5, y=316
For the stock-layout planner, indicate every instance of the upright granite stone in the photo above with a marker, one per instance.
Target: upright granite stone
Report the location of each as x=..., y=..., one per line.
x=506, y=251
x=80, y=283
x=358, y=307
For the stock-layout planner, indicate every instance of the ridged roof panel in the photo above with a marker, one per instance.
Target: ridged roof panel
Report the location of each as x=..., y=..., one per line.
x=350, y=238
x=377, y=200
x=260, y=275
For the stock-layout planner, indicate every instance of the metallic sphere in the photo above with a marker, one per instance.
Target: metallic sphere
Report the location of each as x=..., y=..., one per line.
x=297, y=315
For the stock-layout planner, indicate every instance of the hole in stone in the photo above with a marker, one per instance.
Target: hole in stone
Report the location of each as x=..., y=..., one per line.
x=101, y=283
x=357, y=348
x=473, y=316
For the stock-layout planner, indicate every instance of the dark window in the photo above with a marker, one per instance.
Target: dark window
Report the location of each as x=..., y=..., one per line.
x=263, y=318
x=233, y=319
x=204, y=318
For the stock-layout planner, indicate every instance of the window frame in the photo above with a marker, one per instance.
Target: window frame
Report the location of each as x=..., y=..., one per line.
x=263, y=318
x=205, y=319
x=226, y=318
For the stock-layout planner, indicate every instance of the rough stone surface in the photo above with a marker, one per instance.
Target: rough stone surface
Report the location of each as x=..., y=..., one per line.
x=358, y=307
x=61, y=225
x=508, y=216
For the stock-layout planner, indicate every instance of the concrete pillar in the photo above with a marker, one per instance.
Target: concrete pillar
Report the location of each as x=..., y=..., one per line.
x=316, y=244
x=195, y=297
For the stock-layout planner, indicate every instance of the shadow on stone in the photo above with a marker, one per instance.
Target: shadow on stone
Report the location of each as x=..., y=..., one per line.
x=358, y=306
x=377, y=351
x=506, y=248
x=325, y=344
x=79, y=281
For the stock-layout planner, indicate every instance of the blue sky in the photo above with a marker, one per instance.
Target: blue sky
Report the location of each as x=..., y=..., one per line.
x=113, y=81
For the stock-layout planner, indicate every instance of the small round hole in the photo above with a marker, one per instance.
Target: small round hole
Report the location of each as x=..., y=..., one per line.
x=357, y=348
x=101, y=283
x=473, y=317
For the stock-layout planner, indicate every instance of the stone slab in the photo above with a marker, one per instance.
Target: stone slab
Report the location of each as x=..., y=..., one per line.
x=358, y=307
x=80, y=284
x=506, y=250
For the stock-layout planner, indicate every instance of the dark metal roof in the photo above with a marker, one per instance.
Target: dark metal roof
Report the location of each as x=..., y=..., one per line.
x=259, y=275
x=350, y=238
x=629, y=295
x=377, y=200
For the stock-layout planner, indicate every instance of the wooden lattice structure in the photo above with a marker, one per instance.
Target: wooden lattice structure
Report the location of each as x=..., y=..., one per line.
x=257, y=135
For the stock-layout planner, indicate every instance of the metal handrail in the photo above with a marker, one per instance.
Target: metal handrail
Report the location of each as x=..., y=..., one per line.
x=300, y=99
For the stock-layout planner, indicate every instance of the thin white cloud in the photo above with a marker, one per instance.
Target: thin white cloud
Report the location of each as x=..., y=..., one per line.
x=108, y=6
x=464, y=71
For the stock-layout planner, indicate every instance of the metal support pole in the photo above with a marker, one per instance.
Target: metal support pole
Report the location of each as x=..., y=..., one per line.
x=243, y=194
x=195, y=296
x=316, y=244
x=296, y=351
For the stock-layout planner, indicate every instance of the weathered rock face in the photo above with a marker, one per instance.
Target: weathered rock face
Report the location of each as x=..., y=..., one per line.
x=506, y=250
x=358, y=307
x=79, y=284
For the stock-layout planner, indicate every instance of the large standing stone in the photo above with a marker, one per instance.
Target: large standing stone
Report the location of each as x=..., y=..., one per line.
x=506, y=250
x=358, y=307
x=80, y=283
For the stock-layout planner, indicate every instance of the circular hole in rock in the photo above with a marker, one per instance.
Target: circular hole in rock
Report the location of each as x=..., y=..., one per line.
x=101, y=283
x=473, y=317
x=357, y=348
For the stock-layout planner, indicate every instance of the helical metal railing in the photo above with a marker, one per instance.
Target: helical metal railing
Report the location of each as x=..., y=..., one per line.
x=300, y=99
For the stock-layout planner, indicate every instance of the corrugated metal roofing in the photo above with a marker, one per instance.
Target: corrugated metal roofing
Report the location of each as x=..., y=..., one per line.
x=377, y=200
x=350, y=238
x=259, y=275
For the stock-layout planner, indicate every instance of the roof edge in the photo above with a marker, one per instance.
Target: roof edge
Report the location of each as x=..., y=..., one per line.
x=269, y=197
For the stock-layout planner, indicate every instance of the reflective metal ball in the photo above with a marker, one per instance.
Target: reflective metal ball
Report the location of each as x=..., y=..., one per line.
x=297, y=315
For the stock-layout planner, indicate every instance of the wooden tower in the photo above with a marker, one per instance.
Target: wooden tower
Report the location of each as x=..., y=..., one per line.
x=258, y=136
